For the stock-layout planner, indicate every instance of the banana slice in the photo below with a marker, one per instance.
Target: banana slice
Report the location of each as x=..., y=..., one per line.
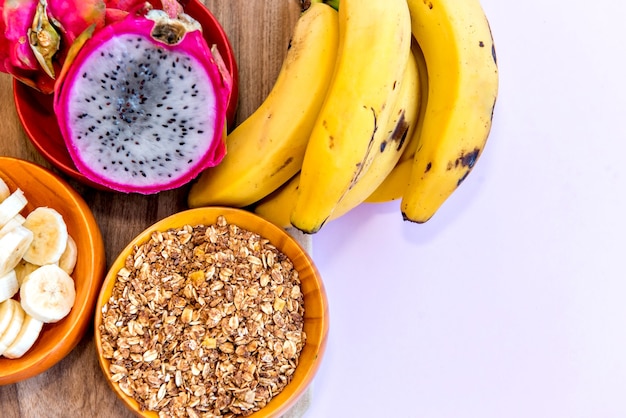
x=8, y=285
x=67, y=262
x=48, y=293
x=4, y=190
x=26, y=338
x=12, y=206
x=49, y=236
x=17, y=319
x=23, y=269
x=13, y=246
x=6, y=314
x=11, y=223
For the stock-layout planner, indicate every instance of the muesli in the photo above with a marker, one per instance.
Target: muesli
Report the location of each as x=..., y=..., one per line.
x=204, y=320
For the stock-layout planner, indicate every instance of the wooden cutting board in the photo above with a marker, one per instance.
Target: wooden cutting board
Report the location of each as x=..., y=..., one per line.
x=259, y=32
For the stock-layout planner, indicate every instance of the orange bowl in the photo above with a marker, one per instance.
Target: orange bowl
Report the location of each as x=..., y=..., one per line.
x=43, y=188
x=36, y=113
x=315, y=302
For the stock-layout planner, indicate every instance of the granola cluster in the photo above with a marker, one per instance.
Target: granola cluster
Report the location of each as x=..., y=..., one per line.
x=204, y=321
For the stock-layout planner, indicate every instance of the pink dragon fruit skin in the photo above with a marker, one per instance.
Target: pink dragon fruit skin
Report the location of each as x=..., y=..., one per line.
x=17, y=17
x=119, y=9
x=76, y=15
x=132, y=142
x=69, y=17
x=16, y=56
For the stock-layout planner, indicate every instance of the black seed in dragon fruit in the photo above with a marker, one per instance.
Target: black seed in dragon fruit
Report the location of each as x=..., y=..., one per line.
x=142, y=108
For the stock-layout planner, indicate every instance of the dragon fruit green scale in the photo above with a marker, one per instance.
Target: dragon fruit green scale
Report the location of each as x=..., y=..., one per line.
x=142, y=108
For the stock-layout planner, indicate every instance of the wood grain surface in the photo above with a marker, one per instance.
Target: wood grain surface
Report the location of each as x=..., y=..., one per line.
x=259, y=32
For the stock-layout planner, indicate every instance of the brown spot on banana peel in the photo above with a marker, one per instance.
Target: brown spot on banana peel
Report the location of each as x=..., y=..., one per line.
x=493, y=45
x=331, y=138
x=481, y=44
x=363, y=163
x=469, y=159
x=398, y=135
x=403, y=137
x=463, y=177
x=288, y=161
x=465, y=159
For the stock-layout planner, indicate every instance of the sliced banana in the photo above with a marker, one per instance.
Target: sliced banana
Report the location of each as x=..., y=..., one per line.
x=17, y=319
x=26, y=338
x=23, y=269
x=11, y=223
x=9, y=285
x=48, y=293
x=49, y=236
x=12, y=206
x=13, y=246
x=6, y=314
x=68, y=259
x=37, y=256
x=4, y=190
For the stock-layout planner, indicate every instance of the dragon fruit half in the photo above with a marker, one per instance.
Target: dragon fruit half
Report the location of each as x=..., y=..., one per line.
x=142, y=107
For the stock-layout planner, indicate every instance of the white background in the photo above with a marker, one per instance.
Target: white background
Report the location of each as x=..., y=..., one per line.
x=511, y=301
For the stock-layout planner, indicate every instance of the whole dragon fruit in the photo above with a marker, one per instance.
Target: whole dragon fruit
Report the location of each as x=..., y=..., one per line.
x=142, y=107
x=39, y=33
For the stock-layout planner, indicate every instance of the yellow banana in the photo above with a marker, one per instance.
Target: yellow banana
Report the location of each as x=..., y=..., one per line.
x=267, y=148
x=277, y=206
x=398, y=132
x=394, y=185
x=463, y=85
x=422, y=72
x=374, y=47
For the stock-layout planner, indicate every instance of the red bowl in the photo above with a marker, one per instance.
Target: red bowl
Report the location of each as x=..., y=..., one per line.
x=36, y=113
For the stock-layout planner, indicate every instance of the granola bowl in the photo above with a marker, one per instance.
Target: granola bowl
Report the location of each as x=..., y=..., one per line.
x=211, y=311
x=41, y=187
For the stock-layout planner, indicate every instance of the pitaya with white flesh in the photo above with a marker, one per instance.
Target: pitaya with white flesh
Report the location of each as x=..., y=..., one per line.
x=142, y=108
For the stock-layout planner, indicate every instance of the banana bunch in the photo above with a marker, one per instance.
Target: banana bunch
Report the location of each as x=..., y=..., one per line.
x=378, y=101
